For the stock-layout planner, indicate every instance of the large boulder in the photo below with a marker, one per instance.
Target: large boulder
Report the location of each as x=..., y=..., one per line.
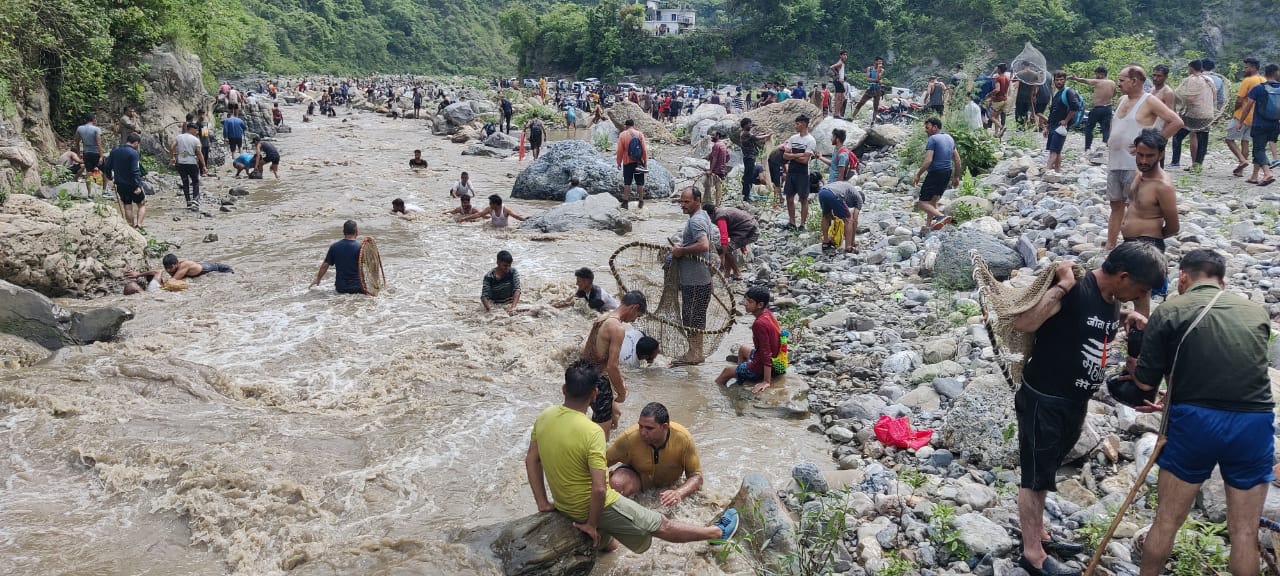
x=18, y=165
x=544, y=544
x=703, y=112
x=256, y=114
x=980, y=425
x=482, y=107
x=598, y=212
x=779, y=118
x=459, y=114
x=763, y=515
x=82, y=250
x=954, y=265
x=605, y=132
x=487, y=152
x=31, y=316
x=885, y=135
x=652, y=129
x=547, y=178
x=853, y=135
x=501, y=141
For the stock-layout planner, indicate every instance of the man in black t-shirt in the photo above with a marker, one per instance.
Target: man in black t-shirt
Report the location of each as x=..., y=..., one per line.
x=344, y=255
x=1075, y=324
x=751, y=143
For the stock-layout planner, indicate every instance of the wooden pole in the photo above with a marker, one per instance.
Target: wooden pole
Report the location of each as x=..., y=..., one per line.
x=1133, y=492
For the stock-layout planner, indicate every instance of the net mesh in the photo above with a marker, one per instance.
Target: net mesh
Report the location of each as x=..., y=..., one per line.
x=1030, y=65
x=1001, y=303
x=649, y=269
x=372, y=278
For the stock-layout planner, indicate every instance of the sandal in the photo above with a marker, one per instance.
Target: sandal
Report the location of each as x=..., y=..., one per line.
x=1239, y=171
x=1251, y=181
x=1267, y=182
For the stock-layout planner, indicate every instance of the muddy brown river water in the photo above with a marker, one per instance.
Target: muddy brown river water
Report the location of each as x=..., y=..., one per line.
x=250, y=425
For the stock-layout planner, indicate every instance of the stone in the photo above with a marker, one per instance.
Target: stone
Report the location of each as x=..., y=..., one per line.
x=210, y=238
x=936, y=351
x=547, y=178
x=604, y=132
x=483, y=151
x=954, y=265
x=986, y=224
x=862, y=407
x=31, y=316
x=702, y=113
x=941, y=458
x=778, y=118
x=544, y=544
x=1089, y=438
x=853, y=134
x=979, y=497
x=501, y=141
x=840, y=434
x=983, y=536
x=1074, y=491
x=931, y=372
x=238, y=192
x=950, y=388
x=922, y=398
x=886, y=135
x=764, y=516
x=899, y=362
x=653, y=130
x=809, y=477
x=978, y=421
x=597, y=212
x=458, y=114
x=78, y=251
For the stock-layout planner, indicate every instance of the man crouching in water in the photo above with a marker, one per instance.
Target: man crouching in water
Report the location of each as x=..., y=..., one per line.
x=1152, y=212
x=602, y=349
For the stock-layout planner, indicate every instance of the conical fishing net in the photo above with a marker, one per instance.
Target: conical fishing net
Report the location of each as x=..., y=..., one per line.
x=1001, y=303
x=1030, y=65
x=372, y=277
x=674, y=316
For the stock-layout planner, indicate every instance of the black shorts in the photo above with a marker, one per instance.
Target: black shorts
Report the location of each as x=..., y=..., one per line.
x=273, y=160
x=797, y=184
x=1048, y=428
x=535, y=141
x=937, y=109
x=837, y=86
x=130, y=194
x=91, y=161
x=694, y=301
x=775, y=169
x=935, y=183
x=234, y=143
x=630, y=175
x=602, y=406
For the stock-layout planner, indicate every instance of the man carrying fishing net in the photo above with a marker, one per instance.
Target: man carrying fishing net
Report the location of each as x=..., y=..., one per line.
x=694, y=257
x=1211, y=345
x=1075, y=325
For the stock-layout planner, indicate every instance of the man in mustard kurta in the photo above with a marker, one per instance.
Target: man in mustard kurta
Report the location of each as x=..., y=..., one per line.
x=656, y=453
x=568, y=448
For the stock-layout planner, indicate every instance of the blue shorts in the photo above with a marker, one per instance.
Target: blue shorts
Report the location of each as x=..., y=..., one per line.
x=745, y=374
x=1056, y=141
x=1241, y=444
x=831, y=204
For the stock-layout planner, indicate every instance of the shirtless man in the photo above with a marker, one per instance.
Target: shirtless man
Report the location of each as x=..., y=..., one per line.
x=1104, y=91
x=1160, y=75
x=1135, y=112
x=498, y=214
x=602, y=348
x=837, y=82
x=1152, y=214
x=180, y=269
x=465, y=209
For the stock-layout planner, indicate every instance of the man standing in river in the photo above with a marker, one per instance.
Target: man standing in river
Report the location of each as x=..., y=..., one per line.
x=343, y=255
x=602, y=349
x=569, y=451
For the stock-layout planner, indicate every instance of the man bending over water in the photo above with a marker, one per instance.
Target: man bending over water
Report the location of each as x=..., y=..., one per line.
x=603, y=348
x=501, y=285
x=180, y=269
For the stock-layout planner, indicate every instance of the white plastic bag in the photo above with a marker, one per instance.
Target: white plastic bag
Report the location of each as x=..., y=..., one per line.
x=972, y=115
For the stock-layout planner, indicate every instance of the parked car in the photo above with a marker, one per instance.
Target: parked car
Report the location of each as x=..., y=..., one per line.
x=624, y=86
x=592, y=83
x=530, y=83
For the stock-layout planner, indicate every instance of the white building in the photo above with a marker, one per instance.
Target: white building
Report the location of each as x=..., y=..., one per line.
x=662, y=21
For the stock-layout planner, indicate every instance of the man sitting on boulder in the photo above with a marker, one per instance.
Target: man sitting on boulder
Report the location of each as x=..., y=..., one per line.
x=568, y=449
x=656, y=453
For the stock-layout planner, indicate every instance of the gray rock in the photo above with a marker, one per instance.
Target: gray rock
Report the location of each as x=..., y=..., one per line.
x=779, y=118
x=487, y=151
x=501, y=141
x=976, y=496
x=840, y=434
x=764, y=516
x=543, y=544
x=884, y=135
x=938, y=350
x=922, y=398
x=931, y=372
x=978, y=420
x=458, y=114
x=653, y=130
x=809, y=476
x=597, y=212
x=899, y=362
x=853, y=134
x=547, y=178
x=862, y=407
x=982, y=536
x=948, y=387
x=604, y=131
x=941, y=458
x=31, y=316
x=954, y=266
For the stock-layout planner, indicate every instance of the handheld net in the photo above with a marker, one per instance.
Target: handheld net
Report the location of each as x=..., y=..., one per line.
x=1000, y=303
x=1030, y=66
x=650, y=269
x=372, y=277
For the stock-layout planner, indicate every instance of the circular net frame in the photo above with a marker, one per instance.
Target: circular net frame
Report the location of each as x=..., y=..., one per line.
x=372, y=277
x=650, y=269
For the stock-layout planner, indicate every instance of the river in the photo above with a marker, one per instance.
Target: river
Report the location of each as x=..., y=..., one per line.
x=251, y=425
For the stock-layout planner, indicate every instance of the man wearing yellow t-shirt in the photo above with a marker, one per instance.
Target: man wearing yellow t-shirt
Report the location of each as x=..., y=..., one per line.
x=655, y=453
x=1238, y=128
x=568, y=448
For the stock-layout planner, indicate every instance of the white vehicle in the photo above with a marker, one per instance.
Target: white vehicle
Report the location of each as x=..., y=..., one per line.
x=625, y=86
x=579, y=87
x=593, y=83
x=530, y=83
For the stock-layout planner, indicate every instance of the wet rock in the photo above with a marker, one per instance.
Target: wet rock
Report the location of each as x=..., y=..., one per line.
x=31, y=316
x=211, y=237
x=977, y=423
x=486, y=151
x=238, y=192
x=544, y=544
x=547, y=178
x=953, y=267
x=80, y=250
x=597, y=212
x=764, y=516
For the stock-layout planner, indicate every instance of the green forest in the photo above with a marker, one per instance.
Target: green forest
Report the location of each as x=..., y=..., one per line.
x=85, y=51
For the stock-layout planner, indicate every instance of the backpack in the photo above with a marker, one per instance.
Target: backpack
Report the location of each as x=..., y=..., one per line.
x=1270, y=108
x=635, y=148
x=853, y=160
x=1079, y=102
x=983, y=86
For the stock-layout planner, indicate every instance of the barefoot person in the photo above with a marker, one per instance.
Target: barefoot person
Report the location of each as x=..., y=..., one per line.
x=344, y=256
x=755, y=363
x=843, y=200
x=266, y=153
x=569, y=451
x=738, y=230
x=1152, y=213
x=603, y=349
x=498, y=214
x=179, y=269
x=501, y=285
x=655, y=454
x=694, y=257
x=1135, y=112
x=597, y=298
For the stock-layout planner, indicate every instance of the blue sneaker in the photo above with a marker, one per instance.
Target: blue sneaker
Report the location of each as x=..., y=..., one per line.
x=728, y=524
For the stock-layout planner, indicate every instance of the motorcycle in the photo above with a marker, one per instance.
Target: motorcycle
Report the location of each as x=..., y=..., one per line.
x=899, y=111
